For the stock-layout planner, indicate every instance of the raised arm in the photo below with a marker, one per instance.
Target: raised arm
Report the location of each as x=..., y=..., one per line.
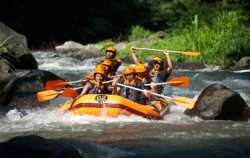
x=170, y=65
x=134, y=56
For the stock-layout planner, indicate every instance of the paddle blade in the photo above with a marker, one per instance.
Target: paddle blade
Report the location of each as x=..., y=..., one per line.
x=184, y=102
x=47, y=95
x=180, y=82
x=191, y=53
x=55, y=84
x=69, y=92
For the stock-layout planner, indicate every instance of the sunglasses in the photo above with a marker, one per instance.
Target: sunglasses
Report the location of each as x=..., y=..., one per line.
x=156, y=62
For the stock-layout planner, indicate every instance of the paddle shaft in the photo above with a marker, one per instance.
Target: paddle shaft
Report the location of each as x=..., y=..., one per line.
x=86, y=80
x=181, y=101
x=158, y=50
x=102, y=83
x=163, y=83
x=179, y=82
x=173, y=51
x=76, y=81
x=142, y=91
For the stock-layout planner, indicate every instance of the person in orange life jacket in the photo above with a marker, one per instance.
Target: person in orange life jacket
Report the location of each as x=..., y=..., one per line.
x=159, y=73
x=95, y=85
x=129, y=78
x=143, y=75
x=110, y=55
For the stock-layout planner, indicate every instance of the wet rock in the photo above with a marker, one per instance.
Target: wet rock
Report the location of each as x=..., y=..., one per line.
x=6, y=82
x=22, y=91
x=21, y=58
x=87, y=54
x=220, y=103
x=69, y=46
x=4, y=67
x=243, y=64
x=35, y=146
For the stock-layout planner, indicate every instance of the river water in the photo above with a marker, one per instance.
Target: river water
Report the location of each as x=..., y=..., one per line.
x=177, y=135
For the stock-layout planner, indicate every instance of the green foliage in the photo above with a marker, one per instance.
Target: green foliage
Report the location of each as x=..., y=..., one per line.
x=7, y=51
x=224, y=39
x=222, y=43
x=138, y=32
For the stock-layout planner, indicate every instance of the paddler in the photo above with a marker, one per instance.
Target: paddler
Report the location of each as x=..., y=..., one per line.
x=129, y=79
x=111, y=53
x=96, y=85
x=159, y=73
x=109, y=68
x=142, y=74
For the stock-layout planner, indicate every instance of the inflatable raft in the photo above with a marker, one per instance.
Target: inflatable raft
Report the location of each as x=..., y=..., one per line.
x=115, y=105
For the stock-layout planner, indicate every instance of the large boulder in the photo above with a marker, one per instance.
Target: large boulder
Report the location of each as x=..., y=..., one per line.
x=243, y=63
x=217, y=102
x=20, y=58
x=6, y=88
x=22, y=91
x=35, y=146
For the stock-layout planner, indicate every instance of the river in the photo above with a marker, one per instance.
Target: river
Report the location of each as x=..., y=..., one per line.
x=176, y=135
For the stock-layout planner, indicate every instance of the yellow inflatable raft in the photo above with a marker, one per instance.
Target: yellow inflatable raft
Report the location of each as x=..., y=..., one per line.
x=115, y=105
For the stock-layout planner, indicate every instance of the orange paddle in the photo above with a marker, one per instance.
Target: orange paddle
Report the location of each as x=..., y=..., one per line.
x=181, y=101
x=50, y=94
x=57, y=84
x=68, y=92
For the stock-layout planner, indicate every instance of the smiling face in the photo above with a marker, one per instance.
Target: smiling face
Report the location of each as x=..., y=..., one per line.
x=109, y=55
x=157, y=65
x=130, y=77
x=99, y=78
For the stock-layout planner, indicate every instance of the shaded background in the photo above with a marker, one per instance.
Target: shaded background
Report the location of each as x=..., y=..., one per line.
x=89, y=21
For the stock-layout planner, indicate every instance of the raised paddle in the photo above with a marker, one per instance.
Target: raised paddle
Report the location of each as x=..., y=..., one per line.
x=57, y=84
x=181, y=101
x=179, y=82
x=171, y=51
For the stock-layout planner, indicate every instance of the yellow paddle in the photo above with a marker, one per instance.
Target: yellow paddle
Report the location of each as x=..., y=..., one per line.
x=180, y=82
x=172, y=51
x=181, y=101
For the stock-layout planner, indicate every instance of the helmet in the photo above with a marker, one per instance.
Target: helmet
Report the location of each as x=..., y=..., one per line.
x=108, y=63
x=158, y=58
x=100, y=69
x=111, y=49
x=139, y=68
x=128, y=70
